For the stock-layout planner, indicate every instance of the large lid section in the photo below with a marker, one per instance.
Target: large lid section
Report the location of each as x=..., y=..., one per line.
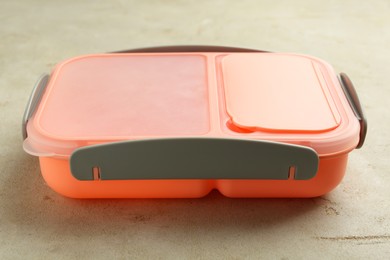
x=109, y=97
x=278, y=93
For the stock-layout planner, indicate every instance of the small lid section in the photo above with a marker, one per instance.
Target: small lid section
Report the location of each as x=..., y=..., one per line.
x=115, y=96
x=278, y=93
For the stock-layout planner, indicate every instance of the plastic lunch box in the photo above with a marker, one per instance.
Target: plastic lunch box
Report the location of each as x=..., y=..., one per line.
x=180, y=121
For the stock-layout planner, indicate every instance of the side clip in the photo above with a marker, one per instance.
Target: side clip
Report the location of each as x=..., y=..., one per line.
x=33, y=102
x=188, y=48
x=353, y=99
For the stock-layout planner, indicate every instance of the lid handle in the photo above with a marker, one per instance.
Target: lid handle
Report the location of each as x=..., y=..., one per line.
x=188, y=48
x=194, y=158
x=353, y=99
x=33, y=101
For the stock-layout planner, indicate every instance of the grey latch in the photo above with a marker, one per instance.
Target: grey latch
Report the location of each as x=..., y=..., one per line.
x=353, y=99
x=33, y=101
x=187, y=48
x=194, y=158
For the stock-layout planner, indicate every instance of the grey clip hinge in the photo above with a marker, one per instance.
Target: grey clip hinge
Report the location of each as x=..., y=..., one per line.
x=33, y=101
x=354, y=102
x=188, y=48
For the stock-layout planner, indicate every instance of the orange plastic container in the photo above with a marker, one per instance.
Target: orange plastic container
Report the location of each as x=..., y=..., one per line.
x=175, y=122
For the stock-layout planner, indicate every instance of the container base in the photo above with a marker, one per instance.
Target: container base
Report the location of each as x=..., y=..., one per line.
x=57, y=175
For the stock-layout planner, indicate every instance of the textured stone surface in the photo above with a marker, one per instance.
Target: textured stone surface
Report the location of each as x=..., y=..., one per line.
x=351, y=222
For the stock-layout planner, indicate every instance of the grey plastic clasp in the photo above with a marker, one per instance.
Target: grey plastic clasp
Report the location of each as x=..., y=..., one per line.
x=188, y=48
x=33, y=101
x=194, y=158
x=354, y=102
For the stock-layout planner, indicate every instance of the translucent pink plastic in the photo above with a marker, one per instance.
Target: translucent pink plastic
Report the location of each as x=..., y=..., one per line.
x=269, y=94
x=108, y=97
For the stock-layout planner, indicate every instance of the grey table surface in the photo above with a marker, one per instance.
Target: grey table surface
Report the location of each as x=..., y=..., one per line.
x=351, y=222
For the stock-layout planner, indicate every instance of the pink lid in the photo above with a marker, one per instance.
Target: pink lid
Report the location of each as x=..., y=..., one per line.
x=266, y=96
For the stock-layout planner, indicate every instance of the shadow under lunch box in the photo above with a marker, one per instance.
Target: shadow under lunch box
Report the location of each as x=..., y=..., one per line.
x=180, y=121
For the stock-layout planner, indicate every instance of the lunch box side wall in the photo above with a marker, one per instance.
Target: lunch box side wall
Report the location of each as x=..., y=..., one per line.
x=57, y=175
